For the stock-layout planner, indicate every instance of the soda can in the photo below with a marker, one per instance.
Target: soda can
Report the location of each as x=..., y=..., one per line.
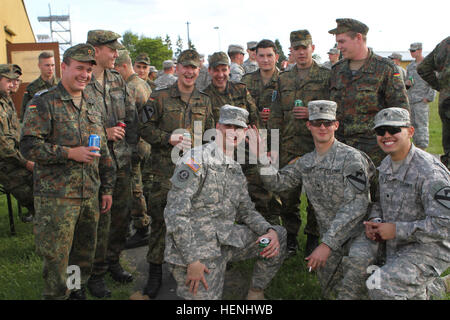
x=94, y=141
x=377, y=236
x=266, y=110
x=298, y=103
x=263, y=243
x=121, y=124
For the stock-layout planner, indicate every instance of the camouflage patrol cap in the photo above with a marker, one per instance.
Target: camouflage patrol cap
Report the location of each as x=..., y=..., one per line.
x=82, y=52
x=218, y=58
x=104, y=38
x=333, y=51
x=252, y=45
x=123, y=57
x=395, y=55
x=153, y=69
x=232, y=48
x=300, y=38
x=17, y=69
x=322, y=109
x=168, y=64
x=8, y=71
x=392, y=117
x=143, y=58
x=416, y=46
x=346, y=24
x=189, y=58
x=233, y=115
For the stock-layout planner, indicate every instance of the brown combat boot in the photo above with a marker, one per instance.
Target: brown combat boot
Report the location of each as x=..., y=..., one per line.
x=255, y=294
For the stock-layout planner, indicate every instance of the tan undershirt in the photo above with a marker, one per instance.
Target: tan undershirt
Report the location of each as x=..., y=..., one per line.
x=185, y=96
x=77, y=100
x=356, y=64
x=101, y=79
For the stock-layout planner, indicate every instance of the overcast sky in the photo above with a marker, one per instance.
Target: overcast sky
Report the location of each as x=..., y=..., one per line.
x=393, y=25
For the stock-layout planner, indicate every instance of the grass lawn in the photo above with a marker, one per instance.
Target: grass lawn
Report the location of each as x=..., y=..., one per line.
x=21, y=267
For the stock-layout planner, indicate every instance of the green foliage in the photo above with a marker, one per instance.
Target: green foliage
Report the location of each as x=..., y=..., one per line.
x=157, y=50
x=179, y=45
x=280, y=52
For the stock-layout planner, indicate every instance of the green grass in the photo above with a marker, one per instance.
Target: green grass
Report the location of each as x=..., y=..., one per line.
x=435, y=129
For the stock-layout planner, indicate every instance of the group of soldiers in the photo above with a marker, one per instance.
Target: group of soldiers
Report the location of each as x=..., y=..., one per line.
x=195, y=204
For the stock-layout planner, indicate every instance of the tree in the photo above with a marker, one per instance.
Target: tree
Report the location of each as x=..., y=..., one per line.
x=280, y=52
x=168, y=42
x=156, y=49
x=179, y=45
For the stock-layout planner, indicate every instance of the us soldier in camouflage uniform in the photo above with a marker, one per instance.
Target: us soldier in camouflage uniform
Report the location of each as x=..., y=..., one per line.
x=222, y=92
x=439, y=60
x=16, y=172
x=167, y=78
x=110, y=90
x=140, y=91
x=336, y=179
x=45, y=81
x=69, y=176
x=362, y=84
x=204, y=79
x=415, y=210
x=397, y=58
x=420, y=94
x=180, y=106
x=236, y=54
x=251, y=65
x=208, y=196
x=307, y=81
x=333, y=55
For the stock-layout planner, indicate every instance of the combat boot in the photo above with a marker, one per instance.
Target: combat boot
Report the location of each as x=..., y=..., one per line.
x=154, y=280
x=292, y=244
x=255, y=294
x=138, y=239
x=312, y=242
x=97, y=287
x=78, y=294
x=118, y=274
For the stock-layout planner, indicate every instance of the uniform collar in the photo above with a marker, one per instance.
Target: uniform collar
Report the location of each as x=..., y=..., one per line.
x=386, y=165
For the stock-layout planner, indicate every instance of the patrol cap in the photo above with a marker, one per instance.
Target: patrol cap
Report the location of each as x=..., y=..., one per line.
x=123, y=57
x=395, y=55
x=333, y=51
x=346, y=24
x=168, y=64
x=153, y=69
x=300, y=38
x=8, y=71
x=189, y=58
x=218, y=58
x=82, y=52
x=233, y=115
x=17, y=69
x=252, y=45
x=143, y=58
x=232, y=48
x=322, y=109
x=416, y=46
x=104, y=38
x=393, y=117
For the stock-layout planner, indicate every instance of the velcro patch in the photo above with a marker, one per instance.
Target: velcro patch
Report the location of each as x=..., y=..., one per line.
x=148, y=112
x=358, y=180
x=443, y=197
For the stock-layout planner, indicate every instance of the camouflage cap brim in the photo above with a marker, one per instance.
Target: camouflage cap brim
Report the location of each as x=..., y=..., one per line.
x=9, y=71
x=115, y=45
x=304, y=43
x=190, y=63
x=238, y=123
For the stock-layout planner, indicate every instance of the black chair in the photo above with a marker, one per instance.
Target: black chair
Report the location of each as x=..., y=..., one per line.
x=12, y=227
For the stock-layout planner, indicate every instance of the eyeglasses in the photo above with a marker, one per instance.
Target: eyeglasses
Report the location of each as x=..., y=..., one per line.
x=318, y=123
x=412, y=50
x=381, y=131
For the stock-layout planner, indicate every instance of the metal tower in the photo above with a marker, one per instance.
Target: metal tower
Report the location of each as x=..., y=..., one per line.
x=60, y=29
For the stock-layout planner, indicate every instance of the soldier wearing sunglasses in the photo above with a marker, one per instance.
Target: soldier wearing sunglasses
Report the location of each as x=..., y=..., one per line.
x=336, y=180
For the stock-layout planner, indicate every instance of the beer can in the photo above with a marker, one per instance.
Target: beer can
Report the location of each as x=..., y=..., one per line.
x=121, y=124
x=377, y=236
x=94, y=141
x=264, y=242
x=266, y=110
x=298, y=103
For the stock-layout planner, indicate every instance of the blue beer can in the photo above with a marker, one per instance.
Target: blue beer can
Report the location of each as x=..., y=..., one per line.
x=94, y=141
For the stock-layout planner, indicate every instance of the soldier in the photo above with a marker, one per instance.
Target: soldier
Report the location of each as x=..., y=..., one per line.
x=143, y=69
x=110, y=90
x=18, y=81
x=251, y=65
x=362, y=83
x=333, y=55
x=222, y=91
x=414, y=209
x=236, y=53
x=69, y=175
x=336, y=179
x=207, y=198
x=420, y=94
x=306, y=81
x=397, y=58
x=180, y=106
x=45, y=81
x=140, y=91
x=16, y=172
x=439, y=60
x=263, y=83
x=204, y=79
x=167, y=78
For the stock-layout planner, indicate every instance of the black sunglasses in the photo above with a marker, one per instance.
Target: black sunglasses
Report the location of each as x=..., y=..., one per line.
x=381, y=131
x=412, y=50
x=318, y=123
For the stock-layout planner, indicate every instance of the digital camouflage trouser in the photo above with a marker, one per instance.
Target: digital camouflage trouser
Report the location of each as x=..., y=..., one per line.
x=444, y=113
x=65, y=233
x=419, y=120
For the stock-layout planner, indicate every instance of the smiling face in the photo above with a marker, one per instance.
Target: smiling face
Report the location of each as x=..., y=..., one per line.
x=142, y=70
x=220, y=75
x=76, y=76
x=396, y=145
x=187, y=76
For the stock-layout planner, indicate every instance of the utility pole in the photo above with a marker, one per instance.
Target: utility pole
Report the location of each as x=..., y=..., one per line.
x=218, y=34
x=189, y=40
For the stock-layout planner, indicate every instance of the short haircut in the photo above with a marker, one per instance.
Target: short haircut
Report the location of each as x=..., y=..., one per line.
x=233, y=54
x=265, y=43
x=353, y=34
x=46, y=55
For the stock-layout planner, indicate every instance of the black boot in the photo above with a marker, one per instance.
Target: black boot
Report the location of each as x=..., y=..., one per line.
x=312, y=242
x=138, y=239
x=118, y=274
x=292, y=244
x=78, y=294
x=97, y=287
x=154, y=280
